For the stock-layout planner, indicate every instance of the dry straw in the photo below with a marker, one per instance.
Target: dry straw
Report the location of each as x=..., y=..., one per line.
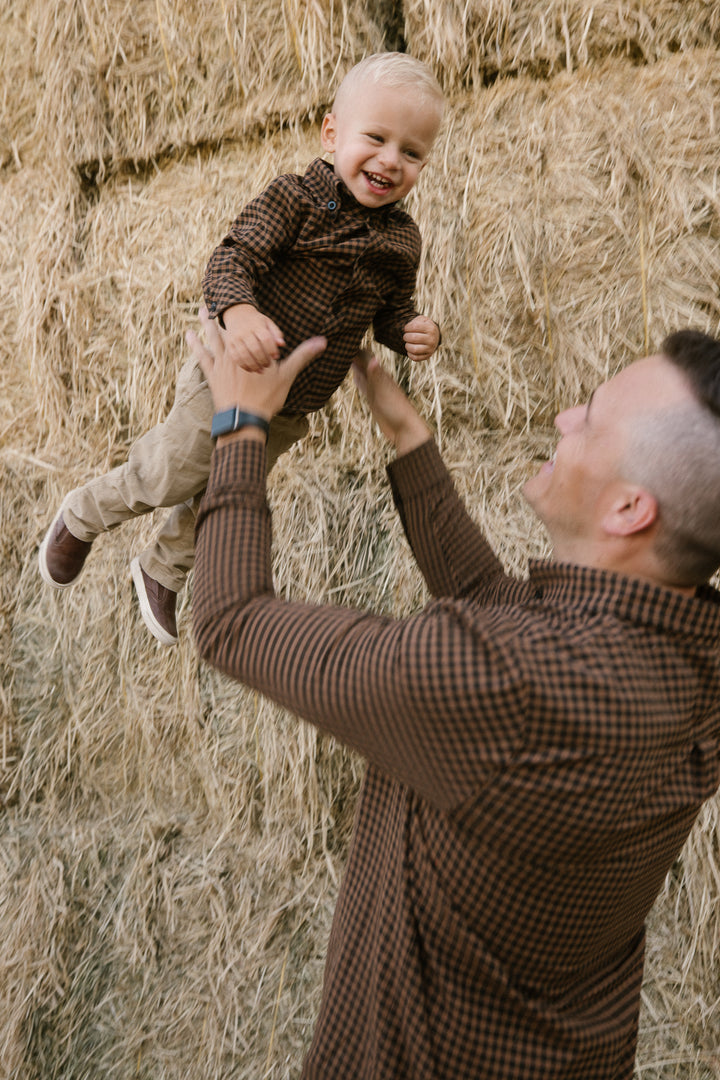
x=576, y=227
x=111, y=81
x=469, y=42
x=170, y=844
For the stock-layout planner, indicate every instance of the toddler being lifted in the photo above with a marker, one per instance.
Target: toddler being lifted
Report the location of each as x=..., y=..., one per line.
x=328, y=253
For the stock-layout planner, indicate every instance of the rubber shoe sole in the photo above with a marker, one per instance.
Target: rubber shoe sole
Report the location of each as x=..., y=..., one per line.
x=156, y=629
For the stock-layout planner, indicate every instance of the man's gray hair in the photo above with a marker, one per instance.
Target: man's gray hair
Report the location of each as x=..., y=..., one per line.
x=674, y=454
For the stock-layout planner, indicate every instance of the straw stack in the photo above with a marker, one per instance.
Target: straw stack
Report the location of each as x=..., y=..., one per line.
x=582, y=224
x=468, y=42
x=106, y=81
x=171, y=844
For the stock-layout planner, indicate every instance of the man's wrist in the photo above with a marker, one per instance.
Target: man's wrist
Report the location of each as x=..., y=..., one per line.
x=227, y=421
x=411, y=437
x=246, y=434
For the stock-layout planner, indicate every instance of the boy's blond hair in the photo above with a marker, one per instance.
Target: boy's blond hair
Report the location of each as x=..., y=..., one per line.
x=392, y=69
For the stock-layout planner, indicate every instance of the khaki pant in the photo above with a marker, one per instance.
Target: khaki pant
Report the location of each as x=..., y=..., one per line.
x=167, y=466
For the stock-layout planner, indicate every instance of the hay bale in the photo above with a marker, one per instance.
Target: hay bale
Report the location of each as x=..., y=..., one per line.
x=682, y=978
x=116, y=81
x=471, y=43
x=179, y=840
x=578, y=224
x=171, y=849
x=171, y=844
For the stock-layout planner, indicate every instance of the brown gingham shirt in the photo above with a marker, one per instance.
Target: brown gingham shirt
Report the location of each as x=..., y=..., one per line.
x=308, y=255
x=537, y=754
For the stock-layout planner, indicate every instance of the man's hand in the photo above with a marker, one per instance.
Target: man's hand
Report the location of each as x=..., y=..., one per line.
x=251, y=339
x=398, y=420
x=422, y=337
x=261, y=392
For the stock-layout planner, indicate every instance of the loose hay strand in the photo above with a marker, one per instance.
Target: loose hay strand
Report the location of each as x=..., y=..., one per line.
x=168, y=65
x=643, y=274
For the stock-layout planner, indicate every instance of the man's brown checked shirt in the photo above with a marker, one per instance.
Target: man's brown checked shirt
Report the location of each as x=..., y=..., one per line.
x=538, y=752
x=311, y=258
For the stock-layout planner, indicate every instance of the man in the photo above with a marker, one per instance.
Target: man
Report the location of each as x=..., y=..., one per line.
x=537, y=751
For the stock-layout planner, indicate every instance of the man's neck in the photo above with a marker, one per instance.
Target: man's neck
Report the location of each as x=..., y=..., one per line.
x=634, y=564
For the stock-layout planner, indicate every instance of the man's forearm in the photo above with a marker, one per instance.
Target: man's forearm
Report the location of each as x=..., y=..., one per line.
x=351, y=673
x=449, y=547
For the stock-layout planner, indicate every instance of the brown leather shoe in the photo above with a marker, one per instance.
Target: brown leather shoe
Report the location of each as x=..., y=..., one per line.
x=157, y=605
x=62, y=556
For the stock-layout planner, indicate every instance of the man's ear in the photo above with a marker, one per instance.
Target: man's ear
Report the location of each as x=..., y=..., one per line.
x=632, y=511
x=328, y=132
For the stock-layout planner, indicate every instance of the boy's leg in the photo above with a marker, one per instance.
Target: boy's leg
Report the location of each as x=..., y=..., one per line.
x=285, y=431
x=159, y=572
x=170, y=557
x=165, y=466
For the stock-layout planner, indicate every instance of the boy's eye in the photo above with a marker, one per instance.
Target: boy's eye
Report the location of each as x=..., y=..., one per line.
x=374, y=137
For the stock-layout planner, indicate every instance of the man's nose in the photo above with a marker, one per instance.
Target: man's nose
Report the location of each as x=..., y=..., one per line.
x=568, y=419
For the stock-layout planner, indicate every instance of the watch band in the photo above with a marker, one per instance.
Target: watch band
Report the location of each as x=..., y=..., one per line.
x=223, y=423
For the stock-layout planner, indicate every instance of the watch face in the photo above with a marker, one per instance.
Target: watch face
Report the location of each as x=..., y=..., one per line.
x=223, y=423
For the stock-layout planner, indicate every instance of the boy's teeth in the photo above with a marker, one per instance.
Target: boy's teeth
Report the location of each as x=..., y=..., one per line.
x=379, y=179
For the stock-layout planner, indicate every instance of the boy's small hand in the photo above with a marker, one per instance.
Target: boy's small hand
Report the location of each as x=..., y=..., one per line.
x=251, y=340
x=263, y=392
x=422, y=337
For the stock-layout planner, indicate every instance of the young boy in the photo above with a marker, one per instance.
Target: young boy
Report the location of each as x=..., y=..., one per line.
x=327, y=253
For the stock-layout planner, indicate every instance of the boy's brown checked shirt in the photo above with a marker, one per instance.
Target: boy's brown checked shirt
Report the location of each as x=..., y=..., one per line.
x=537, y=754
x=311, y=258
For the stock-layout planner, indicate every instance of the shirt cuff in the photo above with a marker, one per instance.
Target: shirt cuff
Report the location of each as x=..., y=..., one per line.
x=417, y=470
x=240, y=465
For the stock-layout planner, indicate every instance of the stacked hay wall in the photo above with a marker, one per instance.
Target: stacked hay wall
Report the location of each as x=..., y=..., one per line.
x=171, y=844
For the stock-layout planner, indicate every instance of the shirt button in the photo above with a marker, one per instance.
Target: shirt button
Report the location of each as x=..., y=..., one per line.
x=332, y=205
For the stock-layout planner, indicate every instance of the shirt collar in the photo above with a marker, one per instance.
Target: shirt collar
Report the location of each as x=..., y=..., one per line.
x=321, y=181
x=633, y=599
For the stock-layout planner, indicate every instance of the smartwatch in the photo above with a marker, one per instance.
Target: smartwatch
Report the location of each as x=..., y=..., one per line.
x=223, y=423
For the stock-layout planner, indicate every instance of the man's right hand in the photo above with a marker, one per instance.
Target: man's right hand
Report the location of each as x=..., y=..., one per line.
x=261, y=392
x=398, y=420
x=251, y=340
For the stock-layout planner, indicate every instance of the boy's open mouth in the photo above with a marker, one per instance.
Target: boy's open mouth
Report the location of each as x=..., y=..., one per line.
x=378, y=181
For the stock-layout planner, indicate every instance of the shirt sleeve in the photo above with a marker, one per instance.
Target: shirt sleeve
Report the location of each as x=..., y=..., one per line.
x=391, y=319
x=264, y=229
x=450, y=549
x=430, y=700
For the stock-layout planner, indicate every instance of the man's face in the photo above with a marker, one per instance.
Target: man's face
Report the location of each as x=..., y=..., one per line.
x=573, y=492
x=381, y=138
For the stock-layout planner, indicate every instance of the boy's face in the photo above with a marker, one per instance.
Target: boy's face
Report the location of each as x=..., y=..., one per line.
x=381, y=137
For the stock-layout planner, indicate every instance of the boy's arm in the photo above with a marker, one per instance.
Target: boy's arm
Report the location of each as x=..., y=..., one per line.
x=398, y=310
x=406, y=331
x=398, y=324
x=252, y=339
x=264, y=229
